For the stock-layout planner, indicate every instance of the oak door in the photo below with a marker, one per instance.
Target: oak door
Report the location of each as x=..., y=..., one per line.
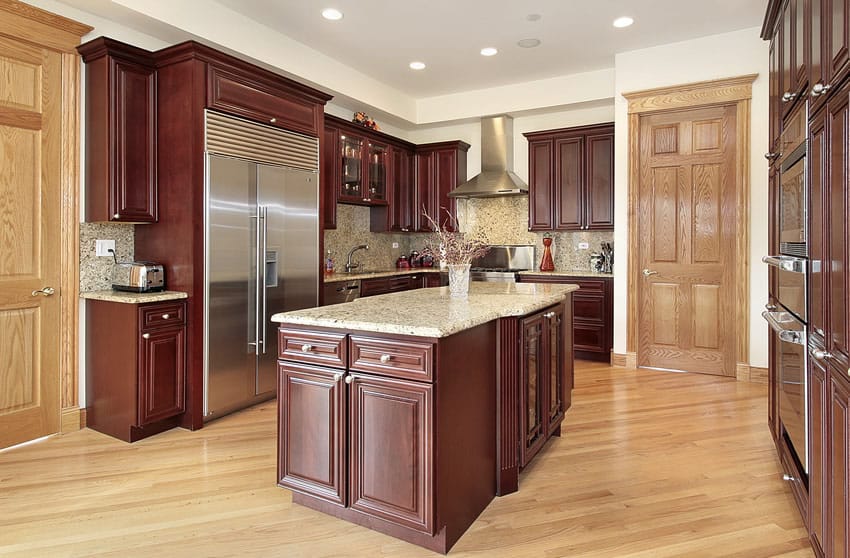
x=30, y=171
x=687, y=218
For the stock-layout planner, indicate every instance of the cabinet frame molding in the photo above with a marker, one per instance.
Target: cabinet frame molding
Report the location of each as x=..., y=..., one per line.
x=734, y=91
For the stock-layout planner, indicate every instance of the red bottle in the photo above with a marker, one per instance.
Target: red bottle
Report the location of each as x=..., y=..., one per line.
x=547, y=264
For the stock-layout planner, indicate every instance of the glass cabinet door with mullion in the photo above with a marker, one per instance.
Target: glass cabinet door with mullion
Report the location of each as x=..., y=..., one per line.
x=351, y=175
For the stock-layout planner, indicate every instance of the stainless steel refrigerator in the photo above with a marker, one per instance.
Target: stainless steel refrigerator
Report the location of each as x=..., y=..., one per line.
x=262, y=256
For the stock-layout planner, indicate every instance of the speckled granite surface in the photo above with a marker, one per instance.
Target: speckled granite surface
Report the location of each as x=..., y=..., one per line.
x=132, y=298
x=572, y=273
x=96, y=271
x=336, y=277
x=432, y=312
x=353, y=229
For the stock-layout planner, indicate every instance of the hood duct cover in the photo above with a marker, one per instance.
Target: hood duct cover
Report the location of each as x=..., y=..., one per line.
x=497, y=154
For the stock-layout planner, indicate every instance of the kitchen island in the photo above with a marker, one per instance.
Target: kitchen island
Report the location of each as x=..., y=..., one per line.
x=408, y=412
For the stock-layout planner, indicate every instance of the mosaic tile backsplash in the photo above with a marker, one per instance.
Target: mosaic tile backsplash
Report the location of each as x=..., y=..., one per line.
x=352, y=230
x=96, y=271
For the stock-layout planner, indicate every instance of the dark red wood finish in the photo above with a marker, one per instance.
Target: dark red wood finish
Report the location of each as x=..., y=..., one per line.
x=330, y=176
x=838, y=434
x=440, y=168
x=566, y=184
x=819, y=494
x=540, y=193
x=509, y=350
x=312, y=347
x=599, y=207
x=121, y=128
x=818, y=174
x=162, y=373
x=407, y=359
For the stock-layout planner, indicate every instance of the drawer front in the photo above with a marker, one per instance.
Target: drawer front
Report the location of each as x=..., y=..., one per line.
x=589, y=285
x=399, y=284
x=589, y=337
x=390, y=357
x=370, y=287
x=589, y=307
x=162, y=314
x=312, y=347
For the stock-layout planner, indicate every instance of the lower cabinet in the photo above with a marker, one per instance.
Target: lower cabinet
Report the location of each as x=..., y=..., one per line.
x=135, y=367
x=394, y=284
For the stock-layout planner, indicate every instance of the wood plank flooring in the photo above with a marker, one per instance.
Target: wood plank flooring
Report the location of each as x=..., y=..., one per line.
x=650, y=464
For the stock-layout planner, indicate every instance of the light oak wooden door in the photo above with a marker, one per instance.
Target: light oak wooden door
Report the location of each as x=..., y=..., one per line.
x=30, y=174
x=687, y=219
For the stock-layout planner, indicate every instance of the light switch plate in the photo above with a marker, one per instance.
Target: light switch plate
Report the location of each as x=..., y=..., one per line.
x=583, y=245
x=102, y=247
x=395, y=244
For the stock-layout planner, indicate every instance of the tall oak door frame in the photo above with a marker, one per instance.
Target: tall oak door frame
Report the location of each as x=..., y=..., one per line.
x=735, y=92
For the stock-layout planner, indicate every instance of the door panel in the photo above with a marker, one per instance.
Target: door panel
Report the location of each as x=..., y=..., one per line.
x=163, y=375
x=686, y=220
x=569, y=170
x=30, y=116
x=838, y=201
x=839, y=457
x=600, y=177
x=540, y=186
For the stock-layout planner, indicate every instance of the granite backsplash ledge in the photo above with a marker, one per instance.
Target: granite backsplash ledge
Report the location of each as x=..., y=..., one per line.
x=96, y=271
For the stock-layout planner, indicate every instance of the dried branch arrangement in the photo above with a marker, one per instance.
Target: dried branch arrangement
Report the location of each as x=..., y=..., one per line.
x=452, y=247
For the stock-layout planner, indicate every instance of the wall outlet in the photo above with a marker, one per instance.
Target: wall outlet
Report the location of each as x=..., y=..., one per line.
x=395, y=244
x=583, y=245
x=102, y=247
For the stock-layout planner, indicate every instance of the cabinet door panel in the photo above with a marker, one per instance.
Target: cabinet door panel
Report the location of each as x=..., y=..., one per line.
x=569, y=174
x=402, y=203
x=839, y=465
x=600, y=182
x=818, y=474
x=556, y=368
x=540, y=199
x=775, y=93
x=162, y=374
x=330, y=176
x=837, y=245
x=818, y=172
x=426, y=198
x=532, y=382
x=351, y=169
x=447, y=180
x=312, y=431
x=786, y=34
x=376, y=171
x=391, y=461
x=801, y=36
x=837, y=28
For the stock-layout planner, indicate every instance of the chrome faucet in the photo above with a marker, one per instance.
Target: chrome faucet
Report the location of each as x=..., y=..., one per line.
x=351, y=266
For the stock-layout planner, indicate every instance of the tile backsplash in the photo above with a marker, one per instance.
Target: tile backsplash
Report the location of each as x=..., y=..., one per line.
x=96, y=271
x=353, y=229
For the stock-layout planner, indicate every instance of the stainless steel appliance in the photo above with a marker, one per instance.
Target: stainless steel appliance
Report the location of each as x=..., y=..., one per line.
x=790, y=270
x=262, y=253
x=341, y=291
x=138, y=277
x=502, y=262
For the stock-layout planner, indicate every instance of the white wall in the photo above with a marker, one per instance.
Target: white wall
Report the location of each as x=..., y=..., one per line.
x=717, y=56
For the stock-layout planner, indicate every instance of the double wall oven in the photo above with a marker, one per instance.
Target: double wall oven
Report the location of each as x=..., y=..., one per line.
x=787, y=313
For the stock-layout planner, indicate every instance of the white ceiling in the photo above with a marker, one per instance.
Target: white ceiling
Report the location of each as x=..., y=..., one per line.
x=380, y=37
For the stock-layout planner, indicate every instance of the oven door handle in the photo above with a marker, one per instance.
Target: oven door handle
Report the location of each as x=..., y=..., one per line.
x=787, y=335
x=786, y=263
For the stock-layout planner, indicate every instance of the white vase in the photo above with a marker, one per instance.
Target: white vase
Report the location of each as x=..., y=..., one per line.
x=459, y=280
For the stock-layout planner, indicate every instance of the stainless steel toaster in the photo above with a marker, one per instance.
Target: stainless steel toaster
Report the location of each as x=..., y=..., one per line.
x=138, y=277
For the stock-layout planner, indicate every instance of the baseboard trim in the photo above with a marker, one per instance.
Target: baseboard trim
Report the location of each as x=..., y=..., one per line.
x=753, y=374
x=625, y=360
x=71, y=420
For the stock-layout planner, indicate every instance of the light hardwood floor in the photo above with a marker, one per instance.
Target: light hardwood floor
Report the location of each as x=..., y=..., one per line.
x=650, y=464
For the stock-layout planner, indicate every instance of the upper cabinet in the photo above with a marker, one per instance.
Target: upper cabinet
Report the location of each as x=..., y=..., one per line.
x=571, y=179
x=121, y=128
x=440, y=168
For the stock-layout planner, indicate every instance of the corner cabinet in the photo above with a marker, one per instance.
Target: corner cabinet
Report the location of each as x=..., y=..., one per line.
x=135, y=367
x=121, y=129
x=571, y=179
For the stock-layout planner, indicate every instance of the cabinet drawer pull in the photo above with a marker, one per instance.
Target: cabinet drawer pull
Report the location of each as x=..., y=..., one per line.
x=337, y=376
x=166, y=316
x=549, y=315
x=788, y=478
x=385, y=358
x=273, y=120
x=306, y=348
x=821, y=355
x=146, y=336
x=349, y=379
x=116, y=216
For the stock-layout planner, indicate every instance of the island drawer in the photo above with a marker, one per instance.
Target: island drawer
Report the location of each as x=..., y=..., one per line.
x=392, y=357
x=312, y=347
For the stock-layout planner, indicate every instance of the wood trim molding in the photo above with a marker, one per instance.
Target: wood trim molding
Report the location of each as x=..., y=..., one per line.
x=25, y=22
x=71, y=420
x=735, y=91
x=699, y=94
x=753, y=374
x=626, y=360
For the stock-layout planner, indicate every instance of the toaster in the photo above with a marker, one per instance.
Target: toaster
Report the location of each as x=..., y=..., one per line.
x=138, y=277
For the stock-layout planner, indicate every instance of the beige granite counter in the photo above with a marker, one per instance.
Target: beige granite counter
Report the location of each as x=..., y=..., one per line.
x=336, y=277
x=133, y=298
x=566, y=274
x=431, y=312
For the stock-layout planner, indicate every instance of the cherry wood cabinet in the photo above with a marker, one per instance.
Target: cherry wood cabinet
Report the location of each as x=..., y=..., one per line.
x=383, y=285
x=819, y=490
x=135, y=367
x=440, y=168
x=571, y=179
x=329, y=177
x=838, y=439
x=121, y=128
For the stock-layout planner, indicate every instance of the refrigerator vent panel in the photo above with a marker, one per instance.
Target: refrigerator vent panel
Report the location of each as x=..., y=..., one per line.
x=244, y=139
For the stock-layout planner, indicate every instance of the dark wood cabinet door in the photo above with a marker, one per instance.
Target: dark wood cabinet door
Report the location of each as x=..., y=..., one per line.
x=540, y=194
x=786, y=56
x=815, y=49
x=818, y=472
x=839, y=464
x=162, y=374
x=426, y=199
x=801, y=14
x=351, y=153
x=836, y=260
x=330, y=176
x=391, y=457
x=533, y=378
x=311, y=445
x=836, y=35
x=556, y=368
x=402, y=198
x=775, y=123
x=376, y=167
x=446, y=173
x=372, y=287
x=599, y=197
x=773, y=385
x=569, y=175
x=818, y=173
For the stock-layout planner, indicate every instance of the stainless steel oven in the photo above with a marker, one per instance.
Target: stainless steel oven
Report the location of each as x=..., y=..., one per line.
x=791, y=363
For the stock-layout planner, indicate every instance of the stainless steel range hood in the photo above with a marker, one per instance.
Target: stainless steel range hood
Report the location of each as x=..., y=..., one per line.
x=497, y=155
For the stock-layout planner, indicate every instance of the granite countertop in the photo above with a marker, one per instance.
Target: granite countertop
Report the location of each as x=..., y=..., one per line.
x=567, y=273
x=431, y=312
x=336, y=277
x=133, y=298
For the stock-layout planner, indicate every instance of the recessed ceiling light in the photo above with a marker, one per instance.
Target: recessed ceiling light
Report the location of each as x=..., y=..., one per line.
x=532, y=17
x=417, y=65
x=624, y=21
x=489, y=51
x=528, y=43
x=331, y=14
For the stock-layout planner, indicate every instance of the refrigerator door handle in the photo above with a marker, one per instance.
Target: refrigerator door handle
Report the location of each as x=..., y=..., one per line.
x=263, y=257
x=258, y=279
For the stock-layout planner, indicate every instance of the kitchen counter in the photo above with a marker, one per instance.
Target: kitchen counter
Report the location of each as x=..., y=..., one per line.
x=566, y=273
x=432, y=312
x=341, y=276
x=132, y=298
